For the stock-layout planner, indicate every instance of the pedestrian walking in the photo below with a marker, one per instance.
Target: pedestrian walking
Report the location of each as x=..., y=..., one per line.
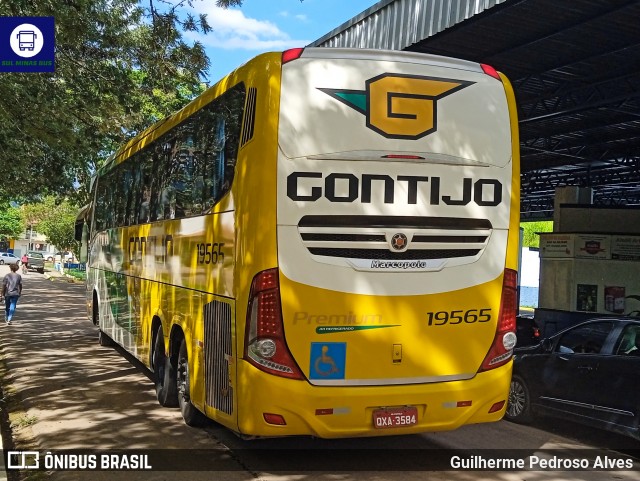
x=58, y=262
x=25, y=263
x=11, y=291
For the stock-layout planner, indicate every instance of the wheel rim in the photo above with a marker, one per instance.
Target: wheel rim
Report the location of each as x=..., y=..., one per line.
x=182, y=375
x=517, y=399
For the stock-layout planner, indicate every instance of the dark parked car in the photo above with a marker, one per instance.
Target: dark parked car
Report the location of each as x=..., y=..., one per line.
x=588, y=373
x=36, y=261
x=527, y=331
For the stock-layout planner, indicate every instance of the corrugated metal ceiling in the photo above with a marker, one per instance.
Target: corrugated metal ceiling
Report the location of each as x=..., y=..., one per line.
x=574, y=66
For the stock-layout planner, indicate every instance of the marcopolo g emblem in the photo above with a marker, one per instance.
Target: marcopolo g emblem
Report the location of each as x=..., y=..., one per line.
x=399, y=241
x=399, y=106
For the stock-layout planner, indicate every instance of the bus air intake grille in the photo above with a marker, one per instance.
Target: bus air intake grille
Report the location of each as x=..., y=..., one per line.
x=372, y=237
x=378, y=254
x=249, y=116
x=217, y=353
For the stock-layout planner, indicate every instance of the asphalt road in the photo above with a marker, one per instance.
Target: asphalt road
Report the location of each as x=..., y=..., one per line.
x=65, y=394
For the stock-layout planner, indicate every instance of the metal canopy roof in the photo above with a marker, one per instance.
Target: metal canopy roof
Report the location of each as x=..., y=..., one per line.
x=575, y=68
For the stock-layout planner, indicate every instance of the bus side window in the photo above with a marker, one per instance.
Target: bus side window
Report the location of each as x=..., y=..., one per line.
x=144, y=209
x=182, y=172
x=161, y=190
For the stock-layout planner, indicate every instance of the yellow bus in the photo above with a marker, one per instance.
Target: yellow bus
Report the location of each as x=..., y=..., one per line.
x=323, y=243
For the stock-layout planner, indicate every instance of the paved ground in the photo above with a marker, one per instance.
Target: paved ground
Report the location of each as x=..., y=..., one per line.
x=64, y=391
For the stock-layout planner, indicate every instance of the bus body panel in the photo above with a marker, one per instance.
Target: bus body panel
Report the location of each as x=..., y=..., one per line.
x=339, y=338
x=354, y=102
x=337, y=412
x=355, y=310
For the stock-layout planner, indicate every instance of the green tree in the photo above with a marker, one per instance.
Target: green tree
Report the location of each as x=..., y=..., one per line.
x=11, y=223
x=34, y=213
x=531, y=229
x=58, y=225
x=120, y=66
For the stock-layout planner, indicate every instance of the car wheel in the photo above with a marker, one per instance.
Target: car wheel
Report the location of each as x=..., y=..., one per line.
x=41, y=271
x=1, y=262
x=519, y=407
x=192, y=417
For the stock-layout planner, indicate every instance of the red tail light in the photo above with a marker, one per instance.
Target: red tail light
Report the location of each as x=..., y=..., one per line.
x=505, y=340
x=265, y=345
x=291, y=54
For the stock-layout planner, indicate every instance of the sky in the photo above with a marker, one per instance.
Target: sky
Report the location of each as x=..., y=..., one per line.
x=240, y=34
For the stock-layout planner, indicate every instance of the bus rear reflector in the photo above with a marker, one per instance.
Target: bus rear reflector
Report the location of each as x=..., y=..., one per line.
x=489, y=70
x=265, y=345
x=496, y=407
x=291, y=54
x=505, y=340
x=276, y=419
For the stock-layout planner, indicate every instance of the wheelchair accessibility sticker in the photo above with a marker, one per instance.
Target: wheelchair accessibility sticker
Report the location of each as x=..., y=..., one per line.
x=328, y=360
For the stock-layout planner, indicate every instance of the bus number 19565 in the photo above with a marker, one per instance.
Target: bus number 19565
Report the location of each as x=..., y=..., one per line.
x=441, y=318
x=210, y=253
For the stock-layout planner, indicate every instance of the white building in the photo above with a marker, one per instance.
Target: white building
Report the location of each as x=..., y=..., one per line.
x=33, y=241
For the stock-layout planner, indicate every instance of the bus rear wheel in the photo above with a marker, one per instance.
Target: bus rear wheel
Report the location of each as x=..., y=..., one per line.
x=192, y=417
x=164, y=374
x=104, y=340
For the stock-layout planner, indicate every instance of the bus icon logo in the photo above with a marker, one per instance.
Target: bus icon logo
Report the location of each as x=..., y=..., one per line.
x=26, y=40
x=27, y=44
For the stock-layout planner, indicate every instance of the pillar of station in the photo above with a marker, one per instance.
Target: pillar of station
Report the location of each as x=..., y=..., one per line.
x=569, y=194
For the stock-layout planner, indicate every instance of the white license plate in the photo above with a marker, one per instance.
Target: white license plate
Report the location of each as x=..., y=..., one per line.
x=395, y=417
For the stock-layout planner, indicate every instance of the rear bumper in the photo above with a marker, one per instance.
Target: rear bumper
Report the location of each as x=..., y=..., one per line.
x=335, y=412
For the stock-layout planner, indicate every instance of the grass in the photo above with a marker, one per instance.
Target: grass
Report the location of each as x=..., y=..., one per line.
x=76, y=274
x=23, y=420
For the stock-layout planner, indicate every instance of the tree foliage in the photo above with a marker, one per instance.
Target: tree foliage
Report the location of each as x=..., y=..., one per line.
x=11, y=223
x=33, y=214
x=53, y=218
x=59, y=225
x=531, y=230
x=120, y=65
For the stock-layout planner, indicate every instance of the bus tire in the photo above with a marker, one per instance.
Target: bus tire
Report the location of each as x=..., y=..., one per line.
x=192, y=416
x=164, y=374
x=95, y=310
x=519, y=407
x=103, y=339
